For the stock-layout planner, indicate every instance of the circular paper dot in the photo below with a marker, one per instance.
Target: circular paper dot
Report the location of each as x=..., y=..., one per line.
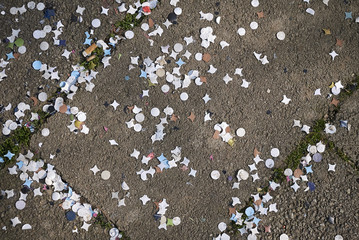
x=31, y=5
x=13, y=126
x=74, y=110
x=320, y=148
x=44, y=46
x=155, y=112
x=105, y=175
x=47, y=28
x=178, y=47
x=255, y=3
x=13, y=10
x=269, y=163
x=242, y=175
x=22, y=49
x=198, y=81
x=129, y=34
x=249, y=211
x=198, y=56
x=56, y=196
x=145, y=26
x=288, y=172
x=42, y=96
x=40, y=6
x=20, y=204
x=45, y=132
x=281, y=35
x=81, y=117
x=178, y=11
x=241, y=132
x=176, y=221
x=335, y=90
x=140, y=117
x=39, y=34
x=215, y=174
x=253, y=25
x=160, y=72
x=70, y=216
x=96, y=23
x=317, y=157
x=184, y=96
x=222, y=226
x=274, y=152
x=137, y=127
x=241, y=31
x=165, y=88
x=298, y=173
x=63, y=108
x=284, y=237
x=338, y=237
x=2, y=12
x=6, y=131
x=37, y=65
x=114, y=232
x=313, y=149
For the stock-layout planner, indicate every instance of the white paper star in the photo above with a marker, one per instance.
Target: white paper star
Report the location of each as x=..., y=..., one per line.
x=95, y=168
x=305, y=129
x=331, y=167
x=114, y=104
x=295, y=186
x=185, y=161
x=104, y=10
x=297, y=123
x=235, y=200
x=262, y=210
x=174, y=55
x=274, y=185
x=145, y=199
x=113, y=142
x=135, y=153
x=317, y=92
x=252, y=167
x=207, y=117
x=255, y=177
x=256, y=197
x=164, y=49
x=235, y=185
x=239, y=72
x=188, y=40
x=333, y=54
x=224, y=44
x=145, y=93
x=267, y=197
x=15, y=221
x=304, y=178
x=245, y=84
x=121, y=203
x=80, y=10
x=206, y=98
x=167, y=23
x=12, y=170
x=273, y=207
x=212, y=69
x=326, y=2
x=257, y=159
x=22, y=196
x=286, y=100
x=227, y=78
x=37, y=192
x=193, y=172
x=86, y=226
x=66, y=54
x=187, y=54
x=114, y=195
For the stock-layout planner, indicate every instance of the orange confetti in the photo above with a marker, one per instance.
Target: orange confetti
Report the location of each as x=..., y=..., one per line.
x=192, y=117
x=158, y=170
x=203, y=79
x=130, y=108
x=339, y=42
x=216, y=134
x=174, y=118
x=206, y=57
x=232, y=210
x=260, y=14
x=150, y=22
x=63, y=108
x=228, y=129
x=258, y=202
x=35, y=100
x=298, y=173
x=256, y=152
x=335, y=102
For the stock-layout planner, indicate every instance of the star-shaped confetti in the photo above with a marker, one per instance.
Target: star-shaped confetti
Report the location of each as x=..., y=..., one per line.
x=80, y=10
x=286, y=100
x=145, y=199
x=333, y=54
x=192, y=117
x=331, y=167
x=180, y=62
x=86, y=226
x=9, y=155
x=348, y=15
x=192, y=172
x=114, y=104
x=104, y=10
x=28, y=182
x=95, y=169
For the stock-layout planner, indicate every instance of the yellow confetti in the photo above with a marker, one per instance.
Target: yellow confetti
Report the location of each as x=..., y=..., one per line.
x=151, y=84
x=327, y=31
x=332, y=85
x=231, y=142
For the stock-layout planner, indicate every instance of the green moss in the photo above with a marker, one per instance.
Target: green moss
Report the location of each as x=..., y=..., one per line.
x=129, y=22
x=101, y=220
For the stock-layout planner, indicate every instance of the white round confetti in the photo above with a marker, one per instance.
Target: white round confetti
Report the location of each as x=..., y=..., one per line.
x=74, y=110
x=129, y=34
x=96, y=23
x=140, y=117
x=145, y=26
x=255, y=3
x=284, y=237
x=169, y=78
x=274, y=152
x=178, y=47
x=31, y=5
x=176, y=221
x=6, y=131
x=40, y=6
x=66, y=205
x=241, y=31
x=105, y=175
x=155, y=112
x=184, y=96
x=13, y=10
x=320, y=147
x=288, y=172
x=178, y=11
x=198, y=56
x=23, y=176
x=2, y=12
x=41, y=174
x=45, y=132
x=222, y=226
x=39, y=34
x=335, y=90
x=338, y=237
x=22, y=49
x=165, y=88
x=241, y=132
x=242, y=175
x=313, y=149
x=253, y=25
x=42, y=96
x=56, y=196
x=47, y=28
x=215, y=174
x=198, y=81
x=137, y=127
x=280, y=35
x=13, y=126
x=44, y=46
x=20, y=205
x=269, y=163
x=160, y=72
x=81, y=116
